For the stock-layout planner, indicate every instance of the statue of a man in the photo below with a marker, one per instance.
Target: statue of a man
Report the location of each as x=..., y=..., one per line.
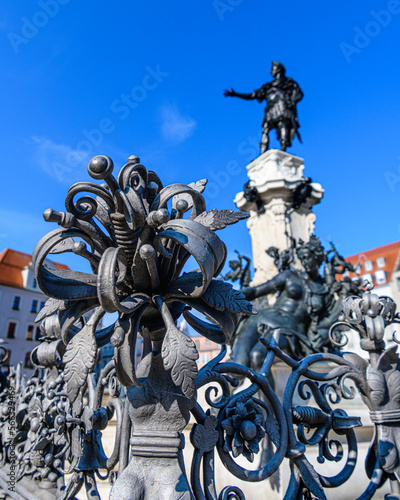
x=281, y=95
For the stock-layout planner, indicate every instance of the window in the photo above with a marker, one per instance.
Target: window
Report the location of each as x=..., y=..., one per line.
x=368, y=277
x=38, y=332
x=29, y=332
x=357, y=269
x=28, y=363
x=380, y=277
x=34, y=284
x=42, y=304
x=34, y=306
x=369, y=265
x=16, y=303
x=398, y=283
x=205, y=358
x=381, y=261
x=12, y=326
x=208, y=343
x=197, y=343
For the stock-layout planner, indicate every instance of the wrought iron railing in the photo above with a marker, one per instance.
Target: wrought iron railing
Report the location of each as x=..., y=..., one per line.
x=136, y=239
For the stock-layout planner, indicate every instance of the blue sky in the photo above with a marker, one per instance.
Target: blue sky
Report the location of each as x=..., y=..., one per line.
x=146, y=78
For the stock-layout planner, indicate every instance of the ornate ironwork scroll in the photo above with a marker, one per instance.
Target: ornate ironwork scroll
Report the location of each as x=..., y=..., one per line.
x=136, y=237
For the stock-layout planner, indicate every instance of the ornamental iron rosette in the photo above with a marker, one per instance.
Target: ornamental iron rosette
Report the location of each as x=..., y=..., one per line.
x=244, y=429
x=137, y=237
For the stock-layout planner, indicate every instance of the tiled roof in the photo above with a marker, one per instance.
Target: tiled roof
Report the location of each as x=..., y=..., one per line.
x=12, y=263
x=389, y=252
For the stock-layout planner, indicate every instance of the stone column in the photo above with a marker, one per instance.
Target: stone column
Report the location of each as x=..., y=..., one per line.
x=276, y=174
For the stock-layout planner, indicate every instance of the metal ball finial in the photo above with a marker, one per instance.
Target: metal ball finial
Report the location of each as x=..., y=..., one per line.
x=134, y=159
x=100, y=167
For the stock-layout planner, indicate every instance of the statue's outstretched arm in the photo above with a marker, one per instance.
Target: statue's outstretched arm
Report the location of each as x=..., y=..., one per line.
x=247, y=259
x=273, y=285
x=248, y=262
x=233, y=93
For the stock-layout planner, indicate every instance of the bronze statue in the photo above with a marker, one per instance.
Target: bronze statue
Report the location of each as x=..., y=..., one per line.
x=238, y=272
x=336, y=265
x=306, y=307
x=282, y=96
x=282, y=258
x=251, y=194
x=302, y=191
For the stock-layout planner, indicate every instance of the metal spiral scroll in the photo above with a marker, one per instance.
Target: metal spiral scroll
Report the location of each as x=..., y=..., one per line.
x=137, y=237
x=213, y=431
x=314, y=424
x=137, y=249
x=125, y=237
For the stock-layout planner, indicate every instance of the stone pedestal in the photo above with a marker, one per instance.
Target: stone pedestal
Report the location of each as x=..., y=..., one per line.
x=276, y=174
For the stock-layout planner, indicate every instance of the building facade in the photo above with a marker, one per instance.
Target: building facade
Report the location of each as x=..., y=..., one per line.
x=20, y=301
x=381, y=267
x=206, y=348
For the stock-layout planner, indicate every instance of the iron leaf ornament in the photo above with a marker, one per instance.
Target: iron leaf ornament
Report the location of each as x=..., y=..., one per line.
x=223, y=297
x=179, y=354
x=80, y=356
x=137, y=235
x=219, y=219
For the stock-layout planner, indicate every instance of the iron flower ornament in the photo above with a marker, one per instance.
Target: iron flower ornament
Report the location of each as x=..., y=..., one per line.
x=137, y=237
x=244, y=428
x=369, y=315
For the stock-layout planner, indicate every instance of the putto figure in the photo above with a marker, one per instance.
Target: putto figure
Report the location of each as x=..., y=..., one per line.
x=238, y=272
x=281, y=96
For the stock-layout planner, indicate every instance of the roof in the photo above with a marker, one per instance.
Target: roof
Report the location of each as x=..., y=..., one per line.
x=390, y=253
x=12, y=263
